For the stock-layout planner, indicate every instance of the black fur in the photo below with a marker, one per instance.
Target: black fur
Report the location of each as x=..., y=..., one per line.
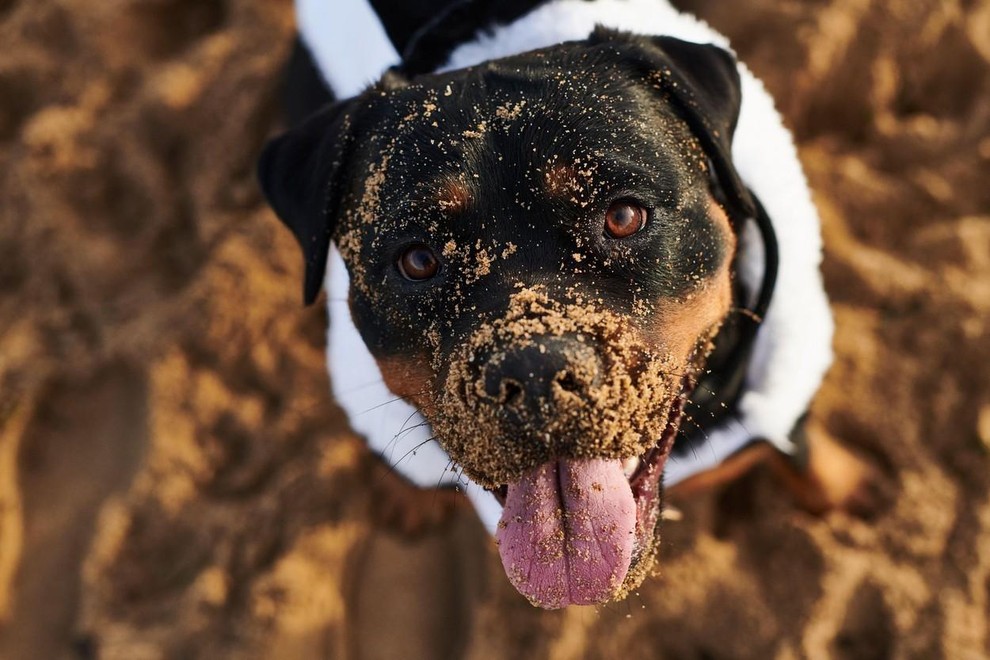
x=662, y=92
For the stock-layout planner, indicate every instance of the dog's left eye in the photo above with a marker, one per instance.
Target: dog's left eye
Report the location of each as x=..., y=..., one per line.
x=624, y=218
x=418, y=263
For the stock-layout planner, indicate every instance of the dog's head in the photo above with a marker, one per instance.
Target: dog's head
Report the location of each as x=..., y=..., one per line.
x=539, y=250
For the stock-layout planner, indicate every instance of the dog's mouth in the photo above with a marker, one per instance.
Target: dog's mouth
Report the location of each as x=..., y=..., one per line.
x=567, y=414
x=581, y=531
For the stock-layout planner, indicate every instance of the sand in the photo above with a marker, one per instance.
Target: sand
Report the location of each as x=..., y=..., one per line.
x=175, y=484
x=633, y=382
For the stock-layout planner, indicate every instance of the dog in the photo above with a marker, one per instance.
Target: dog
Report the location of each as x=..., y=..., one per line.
x=576, y=239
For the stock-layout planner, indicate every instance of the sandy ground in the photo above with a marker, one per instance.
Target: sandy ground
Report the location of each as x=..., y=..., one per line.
x=174, y=482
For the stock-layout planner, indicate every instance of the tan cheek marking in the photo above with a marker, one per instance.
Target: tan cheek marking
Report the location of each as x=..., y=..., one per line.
x=679, y=324
x=411, y=378
x=408, y=376
x=718, y=214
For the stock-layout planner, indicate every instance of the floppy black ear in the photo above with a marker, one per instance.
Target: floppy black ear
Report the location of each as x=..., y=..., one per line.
x=301, y=176
x=702, y=83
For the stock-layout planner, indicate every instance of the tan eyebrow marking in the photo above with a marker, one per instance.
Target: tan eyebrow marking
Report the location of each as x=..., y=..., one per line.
x=574, y=182
x=561, y=180
x=453, y=195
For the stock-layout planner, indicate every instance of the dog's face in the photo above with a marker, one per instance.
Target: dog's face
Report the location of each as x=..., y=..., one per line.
x=538, y=262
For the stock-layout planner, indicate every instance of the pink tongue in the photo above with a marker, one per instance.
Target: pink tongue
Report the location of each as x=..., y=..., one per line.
x=567, y=530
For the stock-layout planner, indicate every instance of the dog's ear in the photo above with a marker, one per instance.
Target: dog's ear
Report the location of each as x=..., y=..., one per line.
x=301, y=175
x=702, y=83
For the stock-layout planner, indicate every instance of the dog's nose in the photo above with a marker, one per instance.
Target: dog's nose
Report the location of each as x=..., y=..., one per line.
x=523, y=379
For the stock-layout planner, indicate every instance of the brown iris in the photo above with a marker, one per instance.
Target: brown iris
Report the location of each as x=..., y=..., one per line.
x=624, y=219
x=418, y=263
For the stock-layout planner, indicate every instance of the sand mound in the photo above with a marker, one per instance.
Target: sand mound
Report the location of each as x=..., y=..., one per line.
x=173, y=483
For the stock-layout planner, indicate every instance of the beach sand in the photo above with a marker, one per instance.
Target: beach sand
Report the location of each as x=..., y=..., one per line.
x=175, y=481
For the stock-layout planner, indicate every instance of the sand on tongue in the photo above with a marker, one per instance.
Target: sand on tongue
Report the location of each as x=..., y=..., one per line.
x=567, y=531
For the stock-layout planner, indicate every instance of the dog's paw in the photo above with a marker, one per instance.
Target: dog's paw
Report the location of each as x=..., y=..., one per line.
x=835, y=478
x=411, y=511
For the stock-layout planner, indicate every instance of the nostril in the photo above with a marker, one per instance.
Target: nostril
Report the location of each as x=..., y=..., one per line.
x=527, y=380
x=567, y=381
x=511, y=392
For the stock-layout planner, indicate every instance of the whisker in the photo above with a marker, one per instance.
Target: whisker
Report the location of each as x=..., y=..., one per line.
x=390, y=468
x=388, y=401
x=381, y=405
x=694, y=445
x=406, y=431
x=436, y=489
x=742, y=425
x=401, y=431
x=450, y=465
x=362, y=386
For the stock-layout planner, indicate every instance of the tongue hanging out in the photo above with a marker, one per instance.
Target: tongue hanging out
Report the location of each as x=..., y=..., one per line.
x=567, y=531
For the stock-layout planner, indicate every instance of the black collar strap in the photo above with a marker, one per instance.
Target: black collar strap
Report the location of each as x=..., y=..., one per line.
x=771, y=259
x=718, y=389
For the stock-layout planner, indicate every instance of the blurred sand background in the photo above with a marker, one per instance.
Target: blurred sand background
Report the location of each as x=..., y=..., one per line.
x=174, y=482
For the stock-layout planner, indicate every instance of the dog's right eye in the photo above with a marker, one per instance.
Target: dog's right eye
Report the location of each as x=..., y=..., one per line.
x=624, y=218
x=418, y=263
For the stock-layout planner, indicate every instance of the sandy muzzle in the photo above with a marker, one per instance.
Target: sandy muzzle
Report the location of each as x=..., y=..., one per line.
x=615, y=409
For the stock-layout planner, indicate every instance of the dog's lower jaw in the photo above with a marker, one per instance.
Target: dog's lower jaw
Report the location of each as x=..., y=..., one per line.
x=647, y=485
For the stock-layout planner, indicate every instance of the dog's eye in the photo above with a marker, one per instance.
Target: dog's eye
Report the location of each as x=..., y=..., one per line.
x=624, y=219
x=418, y=263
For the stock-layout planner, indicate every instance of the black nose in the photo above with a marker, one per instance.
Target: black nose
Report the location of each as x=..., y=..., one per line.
x=522, y=379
